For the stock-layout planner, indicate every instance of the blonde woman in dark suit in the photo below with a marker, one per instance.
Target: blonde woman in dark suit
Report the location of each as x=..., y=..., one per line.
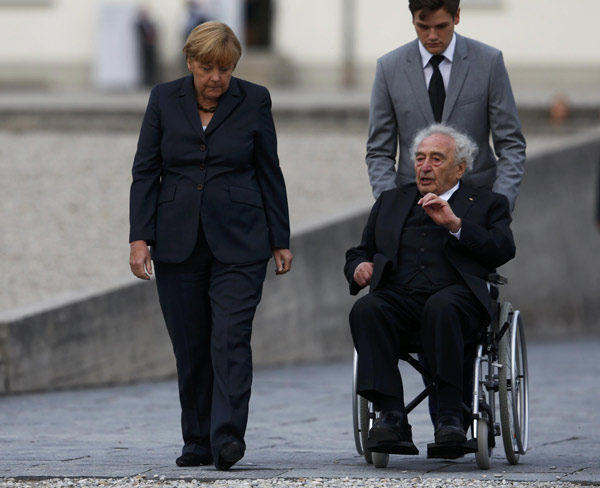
x=209, y=199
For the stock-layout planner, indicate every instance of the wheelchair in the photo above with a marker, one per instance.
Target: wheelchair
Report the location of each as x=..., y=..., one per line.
x=500, y=368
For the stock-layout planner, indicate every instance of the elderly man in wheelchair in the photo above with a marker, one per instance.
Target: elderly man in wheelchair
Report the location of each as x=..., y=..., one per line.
x=427, y=252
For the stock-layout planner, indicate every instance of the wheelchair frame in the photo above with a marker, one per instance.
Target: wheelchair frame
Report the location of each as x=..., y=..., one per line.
x=500, y=368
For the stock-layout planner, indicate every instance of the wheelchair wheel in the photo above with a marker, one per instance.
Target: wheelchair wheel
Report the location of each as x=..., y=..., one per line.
x=380, y=459
x=364, y=413
x=513, y=385
x=361, y=417
x=485, y=403
x=483, y=456
x=355, y=410
x=366, y=419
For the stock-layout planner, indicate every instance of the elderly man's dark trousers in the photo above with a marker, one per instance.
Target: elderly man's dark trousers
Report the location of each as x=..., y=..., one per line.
x=208, y=307
x=382, y=323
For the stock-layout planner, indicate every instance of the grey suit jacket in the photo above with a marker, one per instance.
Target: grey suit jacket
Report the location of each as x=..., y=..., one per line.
x=479, y=100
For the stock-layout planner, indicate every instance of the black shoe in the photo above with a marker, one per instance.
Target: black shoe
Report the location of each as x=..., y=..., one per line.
x=230, y=454
x=193, y=459
x=449, y=428
x=392, y=426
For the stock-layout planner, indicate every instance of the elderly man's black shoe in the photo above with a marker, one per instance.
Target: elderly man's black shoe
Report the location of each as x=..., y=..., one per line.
x=449, y=429
x=230, y=454
x=193, y=459
x=392, y=426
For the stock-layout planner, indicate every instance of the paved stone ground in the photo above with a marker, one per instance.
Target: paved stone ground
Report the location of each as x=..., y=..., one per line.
x=299, y=427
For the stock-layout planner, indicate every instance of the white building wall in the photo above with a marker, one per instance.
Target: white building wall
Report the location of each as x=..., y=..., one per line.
x=527, y=31
x=64, y=31
x=308, y=33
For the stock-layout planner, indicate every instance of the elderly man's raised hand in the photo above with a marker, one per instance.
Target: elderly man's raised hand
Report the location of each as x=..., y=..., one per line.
x=140, y=260
x=363, y=274
x=440, y=212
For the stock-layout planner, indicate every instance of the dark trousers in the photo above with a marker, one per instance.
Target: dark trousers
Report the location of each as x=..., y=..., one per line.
x=208, y=308
x=382, y=323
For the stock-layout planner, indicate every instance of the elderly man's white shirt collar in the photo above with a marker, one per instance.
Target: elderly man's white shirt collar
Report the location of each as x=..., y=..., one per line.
x=446, y=196
x=448, y=53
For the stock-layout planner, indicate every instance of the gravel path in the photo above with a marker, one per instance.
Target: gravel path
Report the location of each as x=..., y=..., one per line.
x=64, y=211
x=142, y=482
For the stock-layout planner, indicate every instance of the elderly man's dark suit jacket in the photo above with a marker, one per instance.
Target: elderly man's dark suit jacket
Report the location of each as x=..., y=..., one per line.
x=486, y=240
x=227, y=176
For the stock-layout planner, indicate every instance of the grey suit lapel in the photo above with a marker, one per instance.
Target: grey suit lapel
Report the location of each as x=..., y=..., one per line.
x=416, y=79
x=458, y=74
x=187, y=102
x=228, y=101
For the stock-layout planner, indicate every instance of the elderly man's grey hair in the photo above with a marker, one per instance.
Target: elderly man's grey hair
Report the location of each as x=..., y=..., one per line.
x=466, y=149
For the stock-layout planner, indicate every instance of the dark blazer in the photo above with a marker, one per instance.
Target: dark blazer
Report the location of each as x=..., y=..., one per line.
x=479, y=100
x=486, y=240
x=228, y=176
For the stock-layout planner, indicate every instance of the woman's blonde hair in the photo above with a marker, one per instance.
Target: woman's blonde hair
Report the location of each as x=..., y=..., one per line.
x=213, y=42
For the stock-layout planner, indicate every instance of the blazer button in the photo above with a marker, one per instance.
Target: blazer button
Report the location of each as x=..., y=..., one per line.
x=199, y=187
x=202, y=166
x=421, y=267
x=202, y=147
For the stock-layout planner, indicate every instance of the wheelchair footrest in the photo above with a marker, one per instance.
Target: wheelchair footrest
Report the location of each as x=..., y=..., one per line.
x=392, y=447
x=451, y=450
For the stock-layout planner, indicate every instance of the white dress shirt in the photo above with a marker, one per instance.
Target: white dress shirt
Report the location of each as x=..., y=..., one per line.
x=445, y=66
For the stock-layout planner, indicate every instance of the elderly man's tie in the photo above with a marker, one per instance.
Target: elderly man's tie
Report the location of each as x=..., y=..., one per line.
x=437, y=93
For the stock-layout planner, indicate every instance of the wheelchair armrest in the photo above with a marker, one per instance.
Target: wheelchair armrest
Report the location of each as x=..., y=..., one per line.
x=497, y=279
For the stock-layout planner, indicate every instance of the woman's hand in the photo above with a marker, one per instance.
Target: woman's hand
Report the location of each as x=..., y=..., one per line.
x=283, y=260
x=139, y=260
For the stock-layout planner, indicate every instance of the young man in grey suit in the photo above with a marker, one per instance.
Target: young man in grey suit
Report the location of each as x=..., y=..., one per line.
x=444, y=77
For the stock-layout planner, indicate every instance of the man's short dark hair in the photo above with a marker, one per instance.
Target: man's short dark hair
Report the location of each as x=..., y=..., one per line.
x=429, y=6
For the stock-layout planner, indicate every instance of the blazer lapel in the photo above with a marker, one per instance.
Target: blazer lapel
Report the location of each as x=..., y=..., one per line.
x=228, y=101
x=458, y=74
x=187, y=101
x=462, y=201
x=402, y=206
x=416, y=79
x=393, y=215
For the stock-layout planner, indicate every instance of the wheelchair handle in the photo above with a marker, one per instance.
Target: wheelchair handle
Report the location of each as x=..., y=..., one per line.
x=497, y=279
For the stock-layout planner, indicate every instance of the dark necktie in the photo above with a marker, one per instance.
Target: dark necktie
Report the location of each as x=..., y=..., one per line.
x=437, y=93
